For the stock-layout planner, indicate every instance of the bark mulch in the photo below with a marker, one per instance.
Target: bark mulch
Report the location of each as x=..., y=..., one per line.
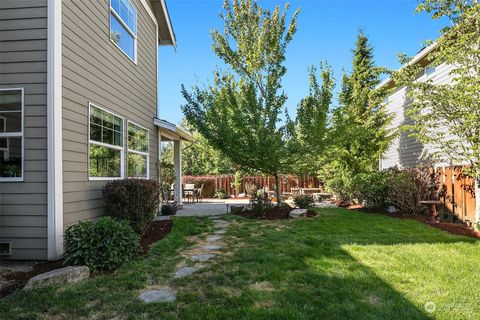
x=452, y=228
x=155, y=232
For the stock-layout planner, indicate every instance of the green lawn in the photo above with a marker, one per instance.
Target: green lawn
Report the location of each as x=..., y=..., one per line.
x=339, y=265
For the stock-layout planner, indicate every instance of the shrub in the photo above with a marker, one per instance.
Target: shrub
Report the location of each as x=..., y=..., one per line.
x=408, y=187
x=220, y=194
x=250, y=189
x=261, y=202
x=372, y=188
x=304, y=201
x=134, y=200
x=104, y=244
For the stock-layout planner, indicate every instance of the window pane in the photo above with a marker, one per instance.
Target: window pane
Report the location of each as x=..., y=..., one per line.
x=107, y=136
x=10, y=157
x=10, y=122
x=104, y=162
x=10, y=100
x=96, y=116
x=122, y=37
x=95, y=132
x=115, y=5
x=137, y=166
x=137, y=138
x=102, y=125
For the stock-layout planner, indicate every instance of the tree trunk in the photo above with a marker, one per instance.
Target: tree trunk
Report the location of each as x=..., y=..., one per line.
x=477, y=202
x=277, y=186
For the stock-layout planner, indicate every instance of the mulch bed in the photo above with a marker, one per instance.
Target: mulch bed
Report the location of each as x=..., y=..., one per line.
x=20, y=279
x=157, y=231
x=452, y=228
x=275, y=213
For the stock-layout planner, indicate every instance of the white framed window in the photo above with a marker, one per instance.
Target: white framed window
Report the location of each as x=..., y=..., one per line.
x=11, y=134
x=123, y=27
x=105, y=149
x=429, y=70
x=138, y=160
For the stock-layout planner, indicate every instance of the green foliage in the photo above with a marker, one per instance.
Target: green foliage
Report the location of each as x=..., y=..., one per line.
x=221, y=194
x=451, y=124
x=241, y=113
x=402, y=188
x=359, y=134
x=312, y=119
x=261, y=202
x=372, y=188
x=104, y=244
x=304, y=201
x=134, y=200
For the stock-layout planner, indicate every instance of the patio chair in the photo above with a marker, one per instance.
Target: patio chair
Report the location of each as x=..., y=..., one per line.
x=189, y=191
x=198, y=193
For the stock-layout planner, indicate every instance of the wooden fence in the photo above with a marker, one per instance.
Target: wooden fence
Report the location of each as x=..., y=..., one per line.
x=213, y=184
x=460, y=193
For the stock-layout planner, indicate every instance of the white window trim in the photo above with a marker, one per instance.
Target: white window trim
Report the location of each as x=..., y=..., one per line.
x=17, y=135
x=101, y=144
x=112, y=11
x=147, y=154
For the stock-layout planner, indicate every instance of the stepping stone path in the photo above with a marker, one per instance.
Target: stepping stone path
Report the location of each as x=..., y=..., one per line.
x=160, y=295
x=203, y=257
x=185, y=271
x=212, y=243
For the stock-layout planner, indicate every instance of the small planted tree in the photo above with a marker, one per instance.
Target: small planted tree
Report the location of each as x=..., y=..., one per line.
x=447, y=116
x=243, y=113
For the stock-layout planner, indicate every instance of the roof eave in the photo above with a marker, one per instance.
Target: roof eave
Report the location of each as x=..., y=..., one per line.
x=166, y=34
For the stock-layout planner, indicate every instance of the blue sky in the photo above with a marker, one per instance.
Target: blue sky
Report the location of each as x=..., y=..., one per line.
x=327, y=30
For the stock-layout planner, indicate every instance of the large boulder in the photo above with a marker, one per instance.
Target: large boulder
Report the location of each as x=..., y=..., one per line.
x=297, y=213
x=59, y=276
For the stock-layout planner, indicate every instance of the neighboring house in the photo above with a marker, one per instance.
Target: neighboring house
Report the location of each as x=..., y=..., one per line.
x=406, y=151
x=78, y=107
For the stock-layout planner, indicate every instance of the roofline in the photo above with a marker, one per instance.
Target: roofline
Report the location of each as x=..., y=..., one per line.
x=180, y=132
x=422, y=54
x=169, y=23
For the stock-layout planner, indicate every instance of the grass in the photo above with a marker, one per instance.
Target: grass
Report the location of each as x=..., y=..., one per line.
x=339, y=265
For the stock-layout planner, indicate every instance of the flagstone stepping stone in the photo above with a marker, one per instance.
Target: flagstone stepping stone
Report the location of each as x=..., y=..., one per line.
x=160, y=295
x=214, y=238
x=185, y=271
x=212, y=247
x=203, y=257
x=297, y=213
x=220, y=232
x=223, y=222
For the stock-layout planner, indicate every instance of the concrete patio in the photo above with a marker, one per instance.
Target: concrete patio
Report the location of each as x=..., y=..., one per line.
x=209, y=207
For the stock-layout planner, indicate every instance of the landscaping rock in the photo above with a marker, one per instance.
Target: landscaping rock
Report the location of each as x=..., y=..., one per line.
x=59, y=276
x=185, y=271
x=214, y=238
x=160, y=295
x=297, y=213
x=203, y=257
x=212, y=247
x=220, y=232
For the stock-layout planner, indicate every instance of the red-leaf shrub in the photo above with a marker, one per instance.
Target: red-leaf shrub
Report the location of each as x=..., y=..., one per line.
x=134, y=200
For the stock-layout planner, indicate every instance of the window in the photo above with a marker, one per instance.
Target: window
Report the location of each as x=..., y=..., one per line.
x=137, y=156
x=106, y=145
x=429, y=70
x=123, y=27
x=11, y=134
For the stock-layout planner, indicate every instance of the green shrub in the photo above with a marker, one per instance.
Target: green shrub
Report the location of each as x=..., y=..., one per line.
x=372, y=189
x=134, y=200
x=304, y=201
x=104, y=244
x=220, y=194
x=261, y=202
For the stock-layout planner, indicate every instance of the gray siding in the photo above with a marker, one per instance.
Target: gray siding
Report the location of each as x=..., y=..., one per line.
x=23, y=63
x=95, y=70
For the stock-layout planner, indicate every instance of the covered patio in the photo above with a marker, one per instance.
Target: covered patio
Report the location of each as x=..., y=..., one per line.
x=169, y=132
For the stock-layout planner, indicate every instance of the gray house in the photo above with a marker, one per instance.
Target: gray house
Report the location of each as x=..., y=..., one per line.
x=78, y=107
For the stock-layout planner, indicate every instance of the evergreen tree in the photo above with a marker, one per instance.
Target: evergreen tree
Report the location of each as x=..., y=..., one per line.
x=359, y=132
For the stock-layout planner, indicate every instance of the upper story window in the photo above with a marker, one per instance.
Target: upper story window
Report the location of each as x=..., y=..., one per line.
x=123, y=27
x=11, y=134
x=429, y=70
x=106, y=145
x=137, y=157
